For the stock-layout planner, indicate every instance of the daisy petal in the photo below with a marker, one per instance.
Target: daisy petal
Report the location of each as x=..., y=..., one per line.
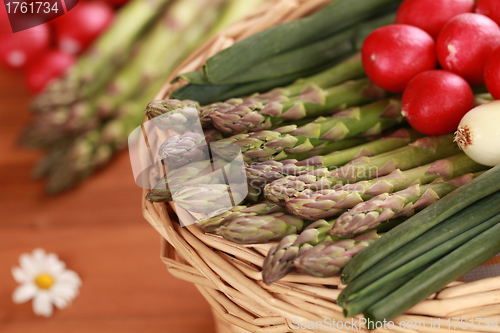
x=60, y=302
x=53, y=265
x=20, y=276
x=42, y=305
x=69, y=277
x=39, y=258
x=27, y=264
x=64, y=290
x=24, y=293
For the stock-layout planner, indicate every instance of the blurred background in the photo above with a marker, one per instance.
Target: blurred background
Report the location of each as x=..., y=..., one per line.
x=70, y=92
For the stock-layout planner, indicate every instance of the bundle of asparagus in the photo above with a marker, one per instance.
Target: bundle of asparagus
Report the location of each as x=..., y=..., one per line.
x=86, y=116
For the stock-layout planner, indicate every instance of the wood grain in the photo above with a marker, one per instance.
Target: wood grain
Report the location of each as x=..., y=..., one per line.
x=98, y=230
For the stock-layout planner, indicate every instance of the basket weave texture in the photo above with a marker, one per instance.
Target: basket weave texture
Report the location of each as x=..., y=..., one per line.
x=229, y=275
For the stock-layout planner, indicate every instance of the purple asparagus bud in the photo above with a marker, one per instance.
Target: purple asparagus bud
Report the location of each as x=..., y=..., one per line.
x=329, y=257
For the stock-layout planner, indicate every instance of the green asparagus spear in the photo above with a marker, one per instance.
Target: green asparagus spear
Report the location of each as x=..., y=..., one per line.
x=265, y=145
x=369, y=214
x=329, y=257
x=424, y=150
x=279, y=261
x=210, y=93
x=332, y=202
x=154, y=59
x=393, y=141
x=350, y=69
x=233, y=11
x=257, y=229
x=113, y=135
x=93, y=70
x=214, y=223
x=253, y=115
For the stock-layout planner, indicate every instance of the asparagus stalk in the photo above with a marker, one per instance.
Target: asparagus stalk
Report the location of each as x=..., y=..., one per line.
x=369, y=214
x=183, y=110
x=281, y=258
x=206, y=198
x=154, y=59
x=233, y=11
x=258, y=175
x=288, y=173
x=179, y=150
x=209, y=93
x=393, y=141
x=128, y=83
x=350, y=69
x=253, y=50
x=73, y=167
x=279, y=144
x=212, y=224
x=424, y=150
x=113, y=135
x=197, y=172
x=97, y=65
x=332, y=202
x=329, y=257
x=253, y=115
x=257, y=229
x=279, y=261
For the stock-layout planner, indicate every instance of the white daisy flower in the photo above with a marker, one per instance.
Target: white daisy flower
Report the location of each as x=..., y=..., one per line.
x=45, y=279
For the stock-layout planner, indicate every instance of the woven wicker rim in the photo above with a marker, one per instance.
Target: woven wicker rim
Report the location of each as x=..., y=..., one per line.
x=229, y=276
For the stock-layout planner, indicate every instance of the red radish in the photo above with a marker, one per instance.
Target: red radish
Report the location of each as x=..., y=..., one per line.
x=394, y=54
x=435, y=101
x=50, y=66
x=465, y=43
x=492, y=73
x=431, y=15
x=490, y=8
x=19, y=49
x=77, y=29
x=117, y=2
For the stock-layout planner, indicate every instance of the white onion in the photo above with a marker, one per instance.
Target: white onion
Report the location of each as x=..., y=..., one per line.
x=478, y=134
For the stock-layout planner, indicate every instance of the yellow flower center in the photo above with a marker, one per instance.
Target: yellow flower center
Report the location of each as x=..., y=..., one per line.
x=44, y=281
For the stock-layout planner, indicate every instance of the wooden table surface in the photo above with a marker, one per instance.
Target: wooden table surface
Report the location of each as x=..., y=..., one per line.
x=98, y=230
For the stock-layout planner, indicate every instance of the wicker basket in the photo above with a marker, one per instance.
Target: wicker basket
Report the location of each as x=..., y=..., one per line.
x=229, y=276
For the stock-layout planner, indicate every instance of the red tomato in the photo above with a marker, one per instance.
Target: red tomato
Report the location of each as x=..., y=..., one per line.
x=50, y=66
x=435, y=101
x=77, y=29
x=490, y=8
x=431, y=15
x=465, y=43
x=394, y=54
x=17, y=50
x=492, y=73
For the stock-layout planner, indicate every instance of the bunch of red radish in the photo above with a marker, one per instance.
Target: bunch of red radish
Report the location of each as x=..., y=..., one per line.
x=45, y=52
x=461, y=37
